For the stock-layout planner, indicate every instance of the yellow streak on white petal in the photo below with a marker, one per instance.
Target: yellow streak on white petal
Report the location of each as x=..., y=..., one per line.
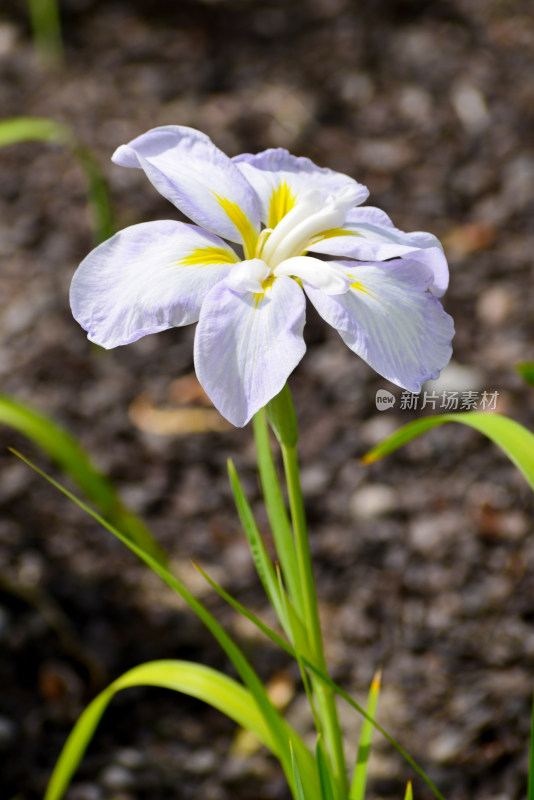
x=266, y=284
x=202, y=256
x=238, y=217
x=282, y=201
x=359, y=287
x=331, y=234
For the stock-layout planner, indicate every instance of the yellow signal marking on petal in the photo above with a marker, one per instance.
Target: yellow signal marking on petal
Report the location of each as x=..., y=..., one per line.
x=242, y=223
x=282, y=201
x=266, y=284
x=202, y=256
x=359, y=287
x=332, y=233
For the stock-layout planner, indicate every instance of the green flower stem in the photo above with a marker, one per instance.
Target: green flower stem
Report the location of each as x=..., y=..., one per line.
x=277, y=512
x=325, y=696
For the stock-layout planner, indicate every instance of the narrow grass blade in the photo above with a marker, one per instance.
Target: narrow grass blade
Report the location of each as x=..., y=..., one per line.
x=280, y=731
x=270, y=634
x=46, y=27
x=530, y=794
x=262, y=562
x=526, y=370
x=359, y=778
x=398, y=747
x=192, y=679
x=409, y=794
x=515, y=440
x=299, y=789
x=329, y=682
x=276, y=511
x=69, y=456
x=326, y=779
x=40, y=129
x=241, y=609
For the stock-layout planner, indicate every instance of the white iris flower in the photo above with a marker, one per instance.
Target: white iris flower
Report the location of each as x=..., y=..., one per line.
x=378, y=288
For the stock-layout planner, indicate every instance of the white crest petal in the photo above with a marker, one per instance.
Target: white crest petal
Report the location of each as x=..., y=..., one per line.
x=324, y=275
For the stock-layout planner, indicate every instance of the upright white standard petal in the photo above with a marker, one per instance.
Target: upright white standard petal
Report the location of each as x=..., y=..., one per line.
x=279, y=180
x=390, y=319
x=246, y=346
x=145, y=279
x=189, y=170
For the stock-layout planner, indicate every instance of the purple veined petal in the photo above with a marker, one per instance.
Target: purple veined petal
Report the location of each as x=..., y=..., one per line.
x=147, y=278
x=435, y=259
x=279, y=178
x=370, y=215
x=391, y=320
x=189, y=170
x=372, y=237
x=246, y=346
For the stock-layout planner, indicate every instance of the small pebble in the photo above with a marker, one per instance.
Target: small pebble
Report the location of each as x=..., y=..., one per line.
x=456, y=378
x=130, y=758
x=495, y=306
x=116, y=777
x=202, y=762
x=447, y=747
x=85, y=791
x=373, y=501
x=314, y=480
x=429, y=532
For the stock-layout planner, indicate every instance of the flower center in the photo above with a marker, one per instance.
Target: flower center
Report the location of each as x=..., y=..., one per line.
x=313, y=215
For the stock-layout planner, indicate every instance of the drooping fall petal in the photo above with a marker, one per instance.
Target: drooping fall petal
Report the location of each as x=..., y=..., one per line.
x=147, y=278
x=247, y=345
x=391, y=320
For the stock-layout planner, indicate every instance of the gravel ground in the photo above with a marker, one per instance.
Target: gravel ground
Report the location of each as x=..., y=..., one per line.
x=424, y=562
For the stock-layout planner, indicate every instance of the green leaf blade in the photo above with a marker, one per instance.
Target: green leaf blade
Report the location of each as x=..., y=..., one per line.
x=46, y=25
x=359, y=778
x=280, y=730
x=299, y=789
x=196, y=680
x=70, y=457
x=282, y=418
x=526, y=370
x=530, y=793
x=516, y=441
x=40, y=129
x=262, y=562
x=276, y=511
x=326, y=778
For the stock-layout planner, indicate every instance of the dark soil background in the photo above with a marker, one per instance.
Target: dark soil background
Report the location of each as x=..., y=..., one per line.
x=425, y=562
